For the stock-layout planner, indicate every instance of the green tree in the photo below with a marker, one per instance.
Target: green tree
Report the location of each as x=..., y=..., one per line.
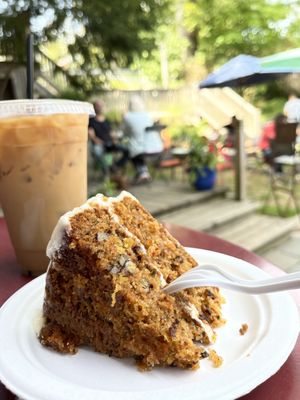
x=221, y=29
x=202, y=34
x=108, y=32
x=165, y=63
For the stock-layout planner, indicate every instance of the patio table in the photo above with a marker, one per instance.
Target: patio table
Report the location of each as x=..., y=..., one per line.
x=285, y=384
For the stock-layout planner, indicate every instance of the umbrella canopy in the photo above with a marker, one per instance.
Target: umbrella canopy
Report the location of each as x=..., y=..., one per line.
x=285, y=59
x=245, y=70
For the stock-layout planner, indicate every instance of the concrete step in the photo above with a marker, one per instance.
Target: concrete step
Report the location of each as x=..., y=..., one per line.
x=212, y=214
x=256, y=232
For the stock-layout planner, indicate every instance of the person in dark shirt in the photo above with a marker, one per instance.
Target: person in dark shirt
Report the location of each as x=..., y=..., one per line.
x=100, y=133
x=102, y=130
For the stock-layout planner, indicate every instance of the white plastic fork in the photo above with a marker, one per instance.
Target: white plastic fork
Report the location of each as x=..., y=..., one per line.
x=210, y=275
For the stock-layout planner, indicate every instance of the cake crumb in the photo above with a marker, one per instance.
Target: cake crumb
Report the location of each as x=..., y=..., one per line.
x=243, y=329
x=215, y=358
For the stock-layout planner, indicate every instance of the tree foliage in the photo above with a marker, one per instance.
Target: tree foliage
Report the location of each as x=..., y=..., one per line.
x=165, y=39
x=108, y=32
x=221, y=29
x=204, y=34
x=165, y=63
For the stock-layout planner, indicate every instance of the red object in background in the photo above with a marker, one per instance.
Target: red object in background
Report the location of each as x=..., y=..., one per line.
x=268, y=134
x=284, y=385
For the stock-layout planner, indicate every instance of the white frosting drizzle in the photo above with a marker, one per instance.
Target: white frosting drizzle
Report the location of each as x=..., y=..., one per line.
x=193, y=312
x=127, y=232
x=121, y=197
x=116, y=219
x=63, y=226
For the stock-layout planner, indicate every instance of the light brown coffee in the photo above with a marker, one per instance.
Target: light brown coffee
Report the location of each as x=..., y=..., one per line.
x=43, y=174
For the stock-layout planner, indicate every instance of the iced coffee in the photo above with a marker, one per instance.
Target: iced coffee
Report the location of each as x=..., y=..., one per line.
x=43, y=174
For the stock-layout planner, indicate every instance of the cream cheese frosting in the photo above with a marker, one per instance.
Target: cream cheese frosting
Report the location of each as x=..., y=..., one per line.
x=63, y=226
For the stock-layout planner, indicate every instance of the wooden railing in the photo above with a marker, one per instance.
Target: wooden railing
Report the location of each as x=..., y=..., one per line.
x=49, y=77
x=51, y=72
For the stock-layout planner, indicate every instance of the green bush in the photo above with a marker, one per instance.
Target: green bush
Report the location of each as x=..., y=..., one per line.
x=274, y=212
x=180, y=133
x=203, y=153
x=114, y=117
x=72, y=94
x=271, y=108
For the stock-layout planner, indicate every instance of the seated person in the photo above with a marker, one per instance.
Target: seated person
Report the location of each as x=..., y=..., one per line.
x=100, y=133
x=140, y=140
x=269, y=134
x=292, y=108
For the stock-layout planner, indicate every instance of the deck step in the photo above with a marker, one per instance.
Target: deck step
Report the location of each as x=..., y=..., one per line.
x=160, y=198
x=237, y=222
x=212, y=214
x=256, y=232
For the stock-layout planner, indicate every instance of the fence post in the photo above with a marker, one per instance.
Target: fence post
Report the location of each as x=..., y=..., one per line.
x=239, y=161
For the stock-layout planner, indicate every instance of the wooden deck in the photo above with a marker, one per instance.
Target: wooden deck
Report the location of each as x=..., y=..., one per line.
x=161, y=197
x=237, y=221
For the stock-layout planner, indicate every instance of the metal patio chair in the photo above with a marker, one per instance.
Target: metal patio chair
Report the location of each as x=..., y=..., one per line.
x=284, y=165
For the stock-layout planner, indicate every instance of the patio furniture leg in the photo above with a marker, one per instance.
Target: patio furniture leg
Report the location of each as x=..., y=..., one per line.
x=173, y=173
x=277, y=202
x=273, y=194
x=294, y=192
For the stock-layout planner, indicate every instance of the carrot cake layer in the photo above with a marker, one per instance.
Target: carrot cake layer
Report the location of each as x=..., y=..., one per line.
x=109, y=260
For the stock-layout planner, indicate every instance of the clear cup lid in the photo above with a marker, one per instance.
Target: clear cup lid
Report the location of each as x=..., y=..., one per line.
x=13, y=108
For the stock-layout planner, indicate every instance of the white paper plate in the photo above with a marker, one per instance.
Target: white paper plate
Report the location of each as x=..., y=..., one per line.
x=36, y=373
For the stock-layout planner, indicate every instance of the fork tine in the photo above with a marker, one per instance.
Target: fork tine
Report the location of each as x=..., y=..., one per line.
x=218, y=270
x=211, y=270
x=191, y=283
x=269, y=280
x=186, y=284
x=251, y=287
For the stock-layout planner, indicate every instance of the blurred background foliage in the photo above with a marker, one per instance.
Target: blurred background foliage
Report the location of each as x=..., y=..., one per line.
x=146, y=44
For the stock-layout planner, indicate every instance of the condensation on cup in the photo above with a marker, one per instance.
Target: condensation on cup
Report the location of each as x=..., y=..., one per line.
x=43, y=171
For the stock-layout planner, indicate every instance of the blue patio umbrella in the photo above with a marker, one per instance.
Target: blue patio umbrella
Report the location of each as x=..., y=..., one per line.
x=245, y=70
x=289, y=58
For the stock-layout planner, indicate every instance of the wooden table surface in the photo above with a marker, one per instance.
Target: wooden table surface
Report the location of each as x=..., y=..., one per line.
x=284, y=385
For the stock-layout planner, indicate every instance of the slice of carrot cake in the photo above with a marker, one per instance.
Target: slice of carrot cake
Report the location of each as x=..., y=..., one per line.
x=109, y=260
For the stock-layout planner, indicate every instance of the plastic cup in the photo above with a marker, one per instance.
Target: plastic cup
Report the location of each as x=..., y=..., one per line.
x=43, y=171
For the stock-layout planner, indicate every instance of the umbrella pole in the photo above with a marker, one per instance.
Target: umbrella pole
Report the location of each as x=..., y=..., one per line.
x=29, y=66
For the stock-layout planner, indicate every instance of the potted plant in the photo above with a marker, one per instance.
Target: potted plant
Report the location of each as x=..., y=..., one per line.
x=202, y=161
